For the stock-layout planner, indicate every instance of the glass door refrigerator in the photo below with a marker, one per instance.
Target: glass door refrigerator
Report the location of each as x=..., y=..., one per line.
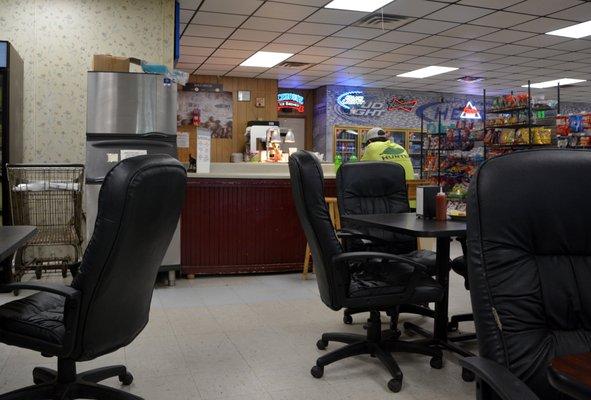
x=11, y=118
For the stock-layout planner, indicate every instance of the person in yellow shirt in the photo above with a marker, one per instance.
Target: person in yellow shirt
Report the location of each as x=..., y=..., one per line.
x=379, y=148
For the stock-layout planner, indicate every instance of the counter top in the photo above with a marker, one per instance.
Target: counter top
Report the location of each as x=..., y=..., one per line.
x=247, y=170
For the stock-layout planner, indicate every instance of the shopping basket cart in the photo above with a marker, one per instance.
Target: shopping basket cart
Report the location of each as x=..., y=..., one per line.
x=48, y=196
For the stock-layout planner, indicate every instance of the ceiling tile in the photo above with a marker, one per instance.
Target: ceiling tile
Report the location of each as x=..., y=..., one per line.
x=320, y=51
x=284, y=47
x=450, y=53
x=268, y=24
x=342, y=43
x=359, y=54
x=326, y=67
x=359, y=33
x=233, y=53
x=311, y=28
x=253, y=35
x=412, y=8
x=225, y=61
x=242, y=45
x=339, y=17
x=216, y=67
x=439, y=41
x=401, y=37
x=497, y=4
x=242, y=74
x=306, y=58
x=375, y=45
x=428, y=60
x=359, y=70
x=293, y=12
x=415, y=50
x=190, y=4
x=455, y=13
x=469, y=31
x=543, y=7
x=374, y=64
x=186, y=15
x=344, y=62
x=303, y=40
x=200, y=41
x=542, y=53
x=311, y=73
x=580, y=13
x=510, y=49
x=196, y=51
x=218, y=19
x=543, y=25
x=395, y=57
x=573, y=45
x=186, y=59
x=507, y=36
x=208, y=31
x=212, y=72
x=502, y=19
x=427, y=26
x=245, y=7
x=475, y=45
x=543, y=40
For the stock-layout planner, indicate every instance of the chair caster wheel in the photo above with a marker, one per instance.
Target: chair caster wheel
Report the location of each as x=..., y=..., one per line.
x=16, y=292
x=126, y=379
x=321, y=344
x=347, y=319
x=467, y=376
x=436, y=362
x=452, y=326
x=395, y=384
x=317, y=371
x=37, y=381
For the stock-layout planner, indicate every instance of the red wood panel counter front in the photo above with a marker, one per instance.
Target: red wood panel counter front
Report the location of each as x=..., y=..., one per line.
x=232, y=226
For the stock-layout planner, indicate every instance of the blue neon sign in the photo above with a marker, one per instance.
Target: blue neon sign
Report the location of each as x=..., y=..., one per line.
x=352, y=98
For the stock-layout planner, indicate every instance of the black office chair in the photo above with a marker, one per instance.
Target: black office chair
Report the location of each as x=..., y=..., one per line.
x=529, y=265
x=378, y=188
x=460, y=267
x=108, y=303
x=357, y=280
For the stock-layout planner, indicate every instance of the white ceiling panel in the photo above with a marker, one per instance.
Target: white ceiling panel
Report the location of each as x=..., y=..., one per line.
x=413, y=49
x=245, y=7
x=190, y=4
x=401, y=37
x=218, y=19
x=337, y=42
x=187, y=59
x=475, y=45
x=254, y=35
x=200, y=41
x=502, y=19
x=374, y=45
x=543, y=25
x=510, y=49
x=395, y=57
x=293, y=12
x=268, y=24
x=469, y=31
x=496, y=4
x=242, y=45
x=210, y=31
x=374, y=64
x=543, y=7
x=439, y=41
x=186, y=15
x=412, y=8
x=427, y=26
x=233, y=53
x=580, y=13
x=295, y=38
x=196, y=51
x=456, y=13
x=320, y=51
x=311, y=28
x=284, y=47
x=359, y=54
x=359, y=33
x=507, y=36
x=343, y=62
x=307, y=58
x=339, y=17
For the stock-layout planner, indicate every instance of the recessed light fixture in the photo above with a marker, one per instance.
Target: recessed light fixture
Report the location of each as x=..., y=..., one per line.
x=427, y=72
x=266, y=59
x=357, y=5
x=470, y=79
x=575, y=31
x=562, y=82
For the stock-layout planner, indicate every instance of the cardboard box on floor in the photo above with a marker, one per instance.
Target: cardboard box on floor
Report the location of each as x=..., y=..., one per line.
x=109, y=63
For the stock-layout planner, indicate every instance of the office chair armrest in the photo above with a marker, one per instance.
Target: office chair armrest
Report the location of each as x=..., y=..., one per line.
x=506, y=385
x=65, y=291
x=354, y=234
x=366, y=255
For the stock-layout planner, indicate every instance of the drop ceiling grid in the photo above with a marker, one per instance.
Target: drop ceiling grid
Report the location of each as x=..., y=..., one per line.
x=365, y=58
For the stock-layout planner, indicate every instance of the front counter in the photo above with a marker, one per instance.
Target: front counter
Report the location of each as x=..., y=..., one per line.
x=240, y=218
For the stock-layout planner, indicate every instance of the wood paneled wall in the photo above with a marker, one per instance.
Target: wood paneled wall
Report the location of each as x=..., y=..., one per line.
x=244, y=111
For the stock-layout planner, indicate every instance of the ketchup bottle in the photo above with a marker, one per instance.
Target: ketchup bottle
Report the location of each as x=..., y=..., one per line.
x=441, y=206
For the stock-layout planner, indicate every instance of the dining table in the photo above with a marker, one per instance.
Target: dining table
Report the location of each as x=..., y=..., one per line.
x=443, y=232
x=571, y=375
x=11, y=238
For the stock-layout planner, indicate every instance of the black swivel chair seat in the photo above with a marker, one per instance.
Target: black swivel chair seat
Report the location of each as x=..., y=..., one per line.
x=108, y=303
x=378, y=188
x=357, y=280
x=529, y=266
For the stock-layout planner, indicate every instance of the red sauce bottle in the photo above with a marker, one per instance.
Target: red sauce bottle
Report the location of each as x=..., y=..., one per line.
x=441, y=206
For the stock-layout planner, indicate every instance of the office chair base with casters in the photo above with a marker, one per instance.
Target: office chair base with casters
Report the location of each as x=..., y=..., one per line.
x=65, y=384
x=375, y=343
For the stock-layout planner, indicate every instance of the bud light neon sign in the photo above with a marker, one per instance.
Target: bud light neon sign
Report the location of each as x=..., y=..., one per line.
x=353, y=98
x=292, y=101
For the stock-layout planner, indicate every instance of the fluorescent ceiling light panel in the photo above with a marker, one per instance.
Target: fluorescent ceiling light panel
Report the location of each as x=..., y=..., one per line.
x=427, y=72
x=266, y=59
x=575, y=31
x=563, y=82
x=357, y=5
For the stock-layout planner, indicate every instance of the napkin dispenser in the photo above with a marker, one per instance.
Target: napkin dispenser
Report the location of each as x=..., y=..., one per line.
x=426, y=201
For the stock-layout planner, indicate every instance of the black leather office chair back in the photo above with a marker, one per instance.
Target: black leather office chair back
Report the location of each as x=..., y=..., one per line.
x=375, y=188
x=529, y=260
x=138, y=210
x=307, y=182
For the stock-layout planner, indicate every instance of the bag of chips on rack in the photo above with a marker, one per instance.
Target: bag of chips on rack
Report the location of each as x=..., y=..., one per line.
x=507, y=136
x=522, y=136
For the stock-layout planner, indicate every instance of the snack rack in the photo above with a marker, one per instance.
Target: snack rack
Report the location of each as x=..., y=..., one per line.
x=518, y=124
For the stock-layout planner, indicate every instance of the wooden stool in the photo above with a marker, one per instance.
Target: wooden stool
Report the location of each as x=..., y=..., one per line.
x=335, y=217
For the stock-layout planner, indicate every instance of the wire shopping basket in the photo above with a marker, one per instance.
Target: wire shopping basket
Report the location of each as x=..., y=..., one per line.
x=49, y=197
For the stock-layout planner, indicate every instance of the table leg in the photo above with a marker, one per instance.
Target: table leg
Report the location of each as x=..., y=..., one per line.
x=6, y=272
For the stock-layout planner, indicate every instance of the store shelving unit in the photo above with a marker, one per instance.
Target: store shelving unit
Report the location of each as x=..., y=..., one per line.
x=535, y=117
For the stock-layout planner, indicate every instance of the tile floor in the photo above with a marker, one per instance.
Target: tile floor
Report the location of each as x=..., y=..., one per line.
x=253, y=338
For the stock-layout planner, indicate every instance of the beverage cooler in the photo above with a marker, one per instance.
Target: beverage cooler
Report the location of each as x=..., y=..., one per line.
x=128, y=114
x=11, y=119
x=347, y=143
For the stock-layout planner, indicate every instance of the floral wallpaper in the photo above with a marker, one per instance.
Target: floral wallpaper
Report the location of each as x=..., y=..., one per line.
x=57, y=39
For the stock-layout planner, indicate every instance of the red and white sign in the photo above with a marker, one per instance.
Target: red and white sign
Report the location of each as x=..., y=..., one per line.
x=470, y=112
